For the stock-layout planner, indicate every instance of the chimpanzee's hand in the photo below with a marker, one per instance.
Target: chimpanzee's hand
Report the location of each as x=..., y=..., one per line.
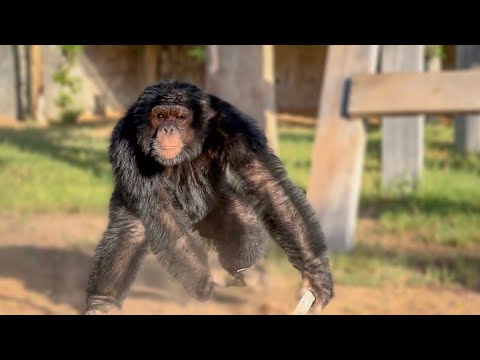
x=320, y=283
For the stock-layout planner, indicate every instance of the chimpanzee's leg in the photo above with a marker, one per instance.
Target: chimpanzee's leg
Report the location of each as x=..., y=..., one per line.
x=117, y=259
x=186, y=260
x=238, y=235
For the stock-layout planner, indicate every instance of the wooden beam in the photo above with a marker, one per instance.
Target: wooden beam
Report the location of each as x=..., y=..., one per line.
x=402, y=136
x=337, y=158
x=405, y=93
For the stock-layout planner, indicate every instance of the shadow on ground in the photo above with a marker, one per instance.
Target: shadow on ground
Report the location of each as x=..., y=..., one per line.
x=62, y=275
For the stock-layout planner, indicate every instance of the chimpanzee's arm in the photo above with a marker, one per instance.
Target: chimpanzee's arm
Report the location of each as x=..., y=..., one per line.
x=286, y=213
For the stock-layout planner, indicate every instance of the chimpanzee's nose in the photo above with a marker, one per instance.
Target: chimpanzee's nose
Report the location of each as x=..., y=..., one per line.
x=168, y=129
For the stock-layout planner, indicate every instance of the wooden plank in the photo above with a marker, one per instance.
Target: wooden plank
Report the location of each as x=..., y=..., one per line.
x=467, y=127
x=405, y=93
x=402, y=136
x=337, y=158
x=244, y=76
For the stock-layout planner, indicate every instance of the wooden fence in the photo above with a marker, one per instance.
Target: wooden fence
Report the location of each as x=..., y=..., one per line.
x=402, y=93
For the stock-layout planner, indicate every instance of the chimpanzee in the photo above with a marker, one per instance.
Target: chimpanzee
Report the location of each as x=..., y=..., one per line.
x=192, y=171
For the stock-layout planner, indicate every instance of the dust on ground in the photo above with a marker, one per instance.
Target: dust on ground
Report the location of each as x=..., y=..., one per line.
x=45, y=260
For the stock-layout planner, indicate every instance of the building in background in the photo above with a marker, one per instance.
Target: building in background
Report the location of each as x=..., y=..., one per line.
x=112, y=76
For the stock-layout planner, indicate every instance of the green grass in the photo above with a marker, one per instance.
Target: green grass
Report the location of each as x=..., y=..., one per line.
x=445, y=206
x=60, y=169
x=65, y=169
x=374, y=266
x=296, y=151
x=442, y=211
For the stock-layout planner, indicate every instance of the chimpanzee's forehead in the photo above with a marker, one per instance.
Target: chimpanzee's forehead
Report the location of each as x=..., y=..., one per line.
x=171, y=93
x=173, y=97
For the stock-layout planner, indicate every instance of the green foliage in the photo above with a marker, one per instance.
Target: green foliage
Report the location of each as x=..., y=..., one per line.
x=69, y=85
x=198, y=53
x=435, y=51
x=71, y=51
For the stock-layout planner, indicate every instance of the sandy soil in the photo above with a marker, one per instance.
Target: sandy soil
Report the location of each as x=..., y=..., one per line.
x=45, y=259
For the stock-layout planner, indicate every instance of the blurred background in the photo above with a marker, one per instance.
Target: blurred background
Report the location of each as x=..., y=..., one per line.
x=397, y=192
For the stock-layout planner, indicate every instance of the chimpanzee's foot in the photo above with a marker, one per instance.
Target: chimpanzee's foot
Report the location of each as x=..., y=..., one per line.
x=238, y=278
x=102, y=305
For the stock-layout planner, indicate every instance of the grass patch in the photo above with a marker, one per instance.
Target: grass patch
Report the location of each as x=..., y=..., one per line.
x=374, y=266
x=446, y=205
x=63, y=168
x=442, y=211
x=296, y=152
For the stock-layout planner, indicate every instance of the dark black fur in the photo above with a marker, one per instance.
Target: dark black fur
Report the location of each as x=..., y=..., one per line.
x=226, y=186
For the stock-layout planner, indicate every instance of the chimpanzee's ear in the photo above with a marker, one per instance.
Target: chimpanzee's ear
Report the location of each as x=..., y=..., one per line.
x=207, y=110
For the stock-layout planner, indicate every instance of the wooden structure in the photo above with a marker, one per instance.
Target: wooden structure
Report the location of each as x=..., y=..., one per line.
x=467, y=126
x=337, y=161
x=243, y=75
x=402, y=136
x=112, y=75
x=446, y=92
x=402, y=94
x=36, y=84
x=339, y=144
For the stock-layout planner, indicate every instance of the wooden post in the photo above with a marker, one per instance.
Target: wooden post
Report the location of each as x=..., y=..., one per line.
x=402, y=136
x=8, y=82
x=36, y=84
x=148, y=66
x=244, y=76
x=337, y=159
x=22, y=81
x=467, y=127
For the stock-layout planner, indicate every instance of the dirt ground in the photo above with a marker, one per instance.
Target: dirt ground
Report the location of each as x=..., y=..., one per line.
x=45, y=259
